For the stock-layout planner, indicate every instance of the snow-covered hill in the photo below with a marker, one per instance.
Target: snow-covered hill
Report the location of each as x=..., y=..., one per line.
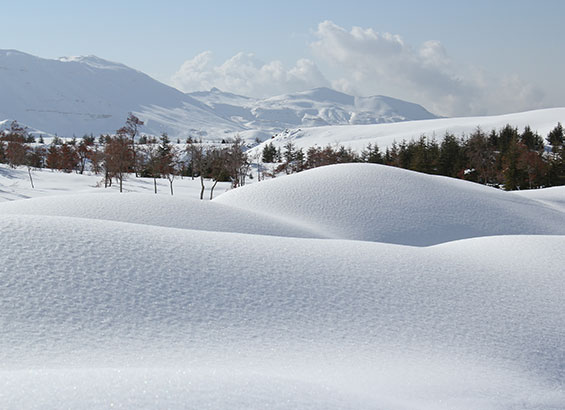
x=386, y=204
x=83, y=95
x=358, y=137
x=143, y=301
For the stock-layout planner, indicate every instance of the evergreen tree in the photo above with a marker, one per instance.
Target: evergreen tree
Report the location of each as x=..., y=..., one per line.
x=555, y=138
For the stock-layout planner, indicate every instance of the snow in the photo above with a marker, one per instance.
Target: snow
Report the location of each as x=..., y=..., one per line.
x=130, y=301
x=320, y=106
x=182, y=211
x=15, y=184
x=357, y=137
x=372, y=202
x=89, y=95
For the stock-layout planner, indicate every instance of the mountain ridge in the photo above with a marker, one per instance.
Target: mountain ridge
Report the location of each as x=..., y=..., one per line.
x=88, y=94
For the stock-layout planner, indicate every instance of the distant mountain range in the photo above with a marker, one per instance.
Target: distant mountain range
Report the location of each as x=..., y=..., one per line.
x=83, y=95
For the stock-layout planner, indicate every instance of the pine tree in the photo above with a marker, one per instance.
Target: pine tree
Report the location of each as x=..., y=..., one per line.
x=555, y=137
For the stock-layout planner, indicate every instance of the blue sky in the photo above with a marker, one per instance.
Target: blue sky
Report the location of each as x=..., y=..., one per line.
x=477, y=46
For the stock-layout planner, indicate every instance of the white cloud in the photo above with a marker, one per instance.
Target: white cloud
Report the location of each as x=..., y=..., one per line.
x=364, y=62
x=245, y=74
x=373, y=63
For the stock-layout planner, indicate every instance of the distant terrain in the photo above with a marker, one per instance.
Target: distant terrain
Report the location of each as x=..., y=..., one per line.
x=84, y=95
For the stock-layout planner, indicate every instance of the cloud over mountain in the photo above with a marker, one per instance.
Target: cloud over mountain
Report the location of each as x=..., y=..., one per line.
x=382, y=62
x=365, y=62
x=247, y=75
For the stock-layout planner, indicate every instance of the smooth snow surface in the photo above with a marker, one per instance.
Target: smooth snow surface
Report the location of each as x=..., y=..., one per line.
x=147, y=209
x=100, y=308
x=385, y=204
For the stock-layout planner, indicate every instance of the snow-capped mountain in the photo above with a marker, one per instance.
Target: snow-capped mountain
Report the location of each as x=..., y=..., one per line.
x=83, y=95
x=317, y=107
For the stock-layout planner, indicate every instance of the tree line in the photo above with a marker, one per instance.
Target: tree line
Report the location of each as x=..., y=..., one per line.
x=114, y=157
x=504, y=158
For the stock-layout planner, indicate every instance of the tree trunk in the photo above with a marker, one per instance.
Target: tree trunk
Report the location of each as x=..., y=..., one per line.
x=30, y=178
x=120, y=178
x=155, y=184
x=171, y=179
x=202, y=190
x=212, y=190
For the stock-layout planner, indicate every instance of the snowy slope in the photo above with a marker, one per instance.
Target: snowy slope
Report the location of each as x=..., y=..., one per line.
x=149, y=209
x=83, y=95
x=146, y=301
x=553, y=196
x=358, y=137
x=378, y=203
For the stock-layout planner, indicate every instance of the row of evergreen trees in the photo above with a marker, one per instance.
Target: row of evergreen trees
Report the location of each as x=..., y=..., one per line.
x=503, y=158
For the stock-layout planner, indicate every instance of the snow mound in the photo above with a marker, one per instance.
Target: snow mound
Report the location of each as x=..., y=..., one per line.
x=149, y=209
x=552, y=196
x=98, y=313
x=385, y=204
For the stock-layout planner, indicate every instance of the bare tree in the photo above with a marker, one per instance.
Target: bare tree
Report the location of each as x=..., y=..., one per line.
x=117, y=159
x=167, y=157
x=131, y=130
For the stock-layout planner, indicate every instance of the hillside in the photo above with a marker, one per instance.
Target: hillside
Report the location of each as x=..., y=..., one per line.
x=358, y=137
x=84, y=95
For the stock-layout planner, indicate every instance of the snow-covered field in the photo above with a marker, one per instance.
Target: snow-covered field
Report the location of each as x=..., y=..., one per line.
x=357, y=137
x=345, y=287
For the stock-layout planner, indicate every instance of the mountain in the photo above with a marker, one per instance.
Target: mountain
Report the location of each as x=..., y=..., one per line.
x=317, y=107
x=82, y=95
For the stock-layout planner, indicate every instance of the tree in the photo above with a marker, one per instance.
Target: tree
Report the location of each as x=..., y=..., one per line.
x=83, y=153
x=131, y=130
x=167, y=158
x=531, y=139
x=68, y=158
x=451, y=157
x=269, y=153
x=118, y=157
x=16, y=153
x=555, y=137
x=481, y=156
x=151, y=168
x=53, y=157
x=372, y=155
x=216, y=161
x=237, y=163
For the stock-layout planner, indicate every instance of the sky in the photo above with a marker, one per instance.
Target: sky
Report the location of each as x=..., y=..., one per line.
x=457, y=58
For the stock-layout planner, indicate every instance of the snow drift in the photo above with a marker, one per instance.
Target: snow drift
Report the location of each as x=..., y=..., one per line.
x=149, y=209
x=470, y=324
x=386, y=204
x=100, y=308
